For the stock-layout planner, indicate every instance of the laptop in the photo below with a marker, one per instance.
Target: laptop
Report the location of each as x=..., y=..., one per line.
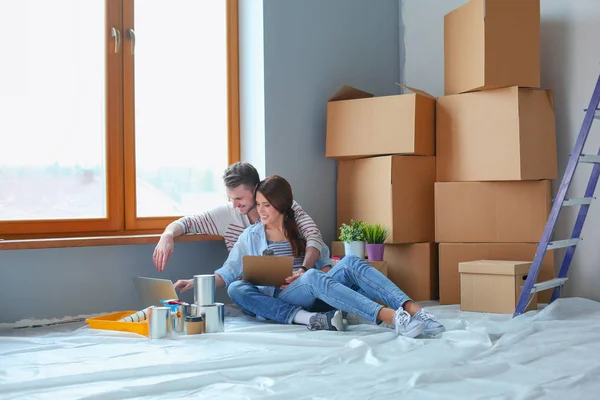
x=152, y=290
x=267, y=270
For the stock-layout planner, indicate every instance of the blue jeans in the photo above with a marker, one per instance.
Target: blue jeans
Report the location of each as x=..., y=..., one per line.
x=254, y=302
x=353, y=285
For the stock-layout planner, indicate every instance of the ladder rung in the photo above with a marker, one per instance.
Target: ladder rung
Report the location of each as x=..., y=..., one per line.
x=552, y=283
x=577, y=201
x=590, y=159
x=560, y=244
x=596, y=114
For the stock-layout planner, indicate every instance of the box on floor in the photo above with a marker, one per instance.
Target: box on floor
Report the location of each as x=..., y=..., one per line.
x=451, y=254
x=493, y=286
x=395, y=191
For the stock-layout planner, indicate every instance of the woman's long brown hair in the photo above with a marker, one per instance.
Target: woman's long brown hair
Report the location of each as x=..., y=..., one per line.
x=278, y=193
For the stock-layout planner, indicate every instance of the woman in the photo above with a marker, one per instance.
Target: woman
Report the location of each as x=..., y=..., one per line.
x=352, y=285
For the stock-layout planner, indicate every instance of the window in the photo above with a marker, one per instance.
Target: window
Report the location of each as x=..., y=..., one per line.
x=116, y=116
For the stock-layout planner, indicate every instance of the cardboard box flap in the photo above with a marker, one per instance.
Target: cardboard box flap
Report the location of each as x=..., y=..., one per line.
x=349, y=93
x=495, y=267
x=416, y=91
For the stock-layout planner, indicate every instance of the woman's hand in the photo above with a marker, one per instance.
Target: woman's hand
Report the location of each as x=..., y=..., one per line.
x=292, y=278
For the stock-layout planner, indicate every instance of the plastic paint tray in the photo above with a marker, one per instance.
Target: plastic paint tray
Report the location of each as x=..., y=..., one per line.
x=110, y=322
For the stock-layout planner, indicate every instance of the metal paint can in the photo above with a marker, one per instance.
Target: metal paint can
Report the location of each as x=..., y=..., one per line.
x=159, y=324
x=178, y=317
x=214, y=317
x=204, y=289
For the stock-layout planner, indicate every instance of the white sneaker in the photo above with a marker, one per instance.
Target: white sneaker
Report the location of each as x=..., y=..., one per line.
x=431, y=326
x=405, y=325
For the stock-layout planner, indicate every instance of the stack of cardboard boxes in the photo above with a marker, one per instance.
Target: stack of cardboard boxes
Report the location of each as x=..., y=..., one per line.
x=495, y=141
x=386, y=174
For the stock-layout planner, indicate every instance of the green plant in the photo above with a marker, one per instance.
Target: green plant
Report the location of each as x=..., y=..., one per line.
x=353, y=232
x=375, y=233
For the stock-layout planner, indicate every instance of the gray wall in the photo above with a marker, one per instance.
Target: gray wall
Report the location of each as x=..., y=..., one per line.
x=312, y=48
x=294, y=55
x=67, y=282
x=570, y=58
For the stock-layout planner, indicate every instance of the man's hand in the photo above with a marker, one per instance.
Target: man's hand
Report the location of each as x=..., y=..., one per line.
x=163, y=251
x=292, y=278
x=183, y=285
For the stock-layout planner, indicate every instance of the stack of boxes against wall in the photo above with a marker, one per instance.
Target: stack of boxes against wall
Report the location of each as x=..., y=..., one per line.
x=385, y=149
x=470, y=171
x=495, y=141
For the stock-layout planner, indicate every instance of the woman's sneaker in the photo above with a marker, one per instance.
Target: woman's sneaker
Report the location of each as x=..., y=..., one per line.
x=405, y=325
x=329, y=321
x=431, y=326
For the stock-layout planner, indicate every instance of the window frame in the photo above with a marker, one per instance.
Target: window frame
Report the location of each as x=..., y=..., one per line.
x=121, y=219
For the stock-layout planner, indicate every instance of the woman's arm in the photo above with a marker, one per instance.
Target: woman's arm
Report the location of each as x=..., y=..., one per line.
x=232, y=268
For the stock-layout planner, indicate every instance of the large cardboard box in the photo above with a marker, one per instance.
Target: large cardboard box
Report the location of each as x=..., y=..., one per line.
x=395, y=191
x=493, y=286
x=360, y=125
x=414, y=269
x=491, y=44
x=451, y=254
x=496, y=135
x=479, y=212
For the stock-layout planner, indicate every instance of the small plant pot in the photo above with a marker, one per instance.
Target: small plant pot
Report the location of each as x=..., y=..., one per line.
x=375, y=252
x=355, y=249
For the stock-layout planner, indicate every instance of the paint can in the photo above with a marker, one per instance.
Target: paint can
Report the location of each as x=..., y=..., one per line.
x=159, y=324
x=214, y=317
x=178, y=317
x=204, y=289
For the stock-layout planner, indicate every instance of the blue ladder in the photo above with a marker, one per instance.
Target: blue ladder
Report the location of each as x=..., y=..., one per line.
x=576, y=157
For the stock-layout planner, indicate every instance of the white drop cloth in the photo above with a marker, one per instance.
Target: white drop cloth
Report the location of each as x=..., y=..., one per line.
x=552, y=353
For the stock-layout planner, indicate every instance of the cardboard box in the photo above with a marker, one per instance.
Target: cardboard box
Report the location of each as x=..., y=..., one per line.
x=451, y=254
x=414, y=269
x=497, y=212
x=493, y=286
x=491, y=44
x=496, y=135
x=337, y=249
x=360, y=125
x=395, y=191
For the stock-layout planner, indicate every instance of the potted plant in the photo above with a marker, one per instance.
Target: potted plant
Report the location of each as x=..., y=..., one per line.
x=352, y=236
x=375, y=235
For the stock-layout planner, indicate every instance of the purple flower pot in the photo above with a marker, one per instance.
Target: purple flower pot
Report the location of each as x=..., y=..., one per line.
x=375, y=252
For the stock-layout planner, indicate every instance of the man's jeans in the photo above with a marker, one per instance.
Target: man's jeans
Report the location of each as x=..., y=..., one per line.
x=353, y=285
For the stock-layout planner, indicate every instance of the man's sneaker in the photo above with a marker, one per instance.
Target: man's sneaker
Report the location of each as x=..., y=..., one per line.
x=405, y=325
x=330, y=321
x=431, y=325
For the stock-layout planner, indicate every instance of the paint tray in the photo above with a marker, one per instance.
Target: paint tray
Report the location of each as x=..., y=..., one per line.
x=110, y=322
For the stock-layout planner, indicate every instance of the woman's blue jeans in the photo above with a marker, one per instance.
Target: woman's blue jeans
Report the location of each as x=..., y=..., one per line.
x=353, y=285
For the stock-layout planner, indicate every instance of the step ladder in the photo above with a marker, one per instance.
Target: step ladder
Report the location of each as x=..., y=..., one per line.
x=560, y=201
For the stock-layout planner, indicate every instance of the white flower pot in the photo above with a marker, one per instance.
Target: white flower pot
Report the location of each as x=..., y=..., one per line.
x=355, y=249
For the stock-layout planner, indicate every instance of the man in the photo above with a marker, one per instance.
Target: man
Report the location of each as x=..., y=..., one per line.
x=230, y=220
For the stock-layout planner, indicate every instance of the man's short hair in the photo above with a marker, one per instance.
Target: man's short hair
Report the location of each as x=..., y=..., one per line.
x=241, y=173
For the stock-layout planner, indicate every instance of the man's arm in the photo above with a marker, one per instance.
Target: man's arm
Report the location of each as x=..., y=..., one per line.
x=213, y=222
x=311, y=233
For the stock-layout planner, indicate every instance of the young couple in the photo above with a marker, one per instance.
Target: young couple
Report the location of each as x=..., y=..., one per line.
x=264, y=216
